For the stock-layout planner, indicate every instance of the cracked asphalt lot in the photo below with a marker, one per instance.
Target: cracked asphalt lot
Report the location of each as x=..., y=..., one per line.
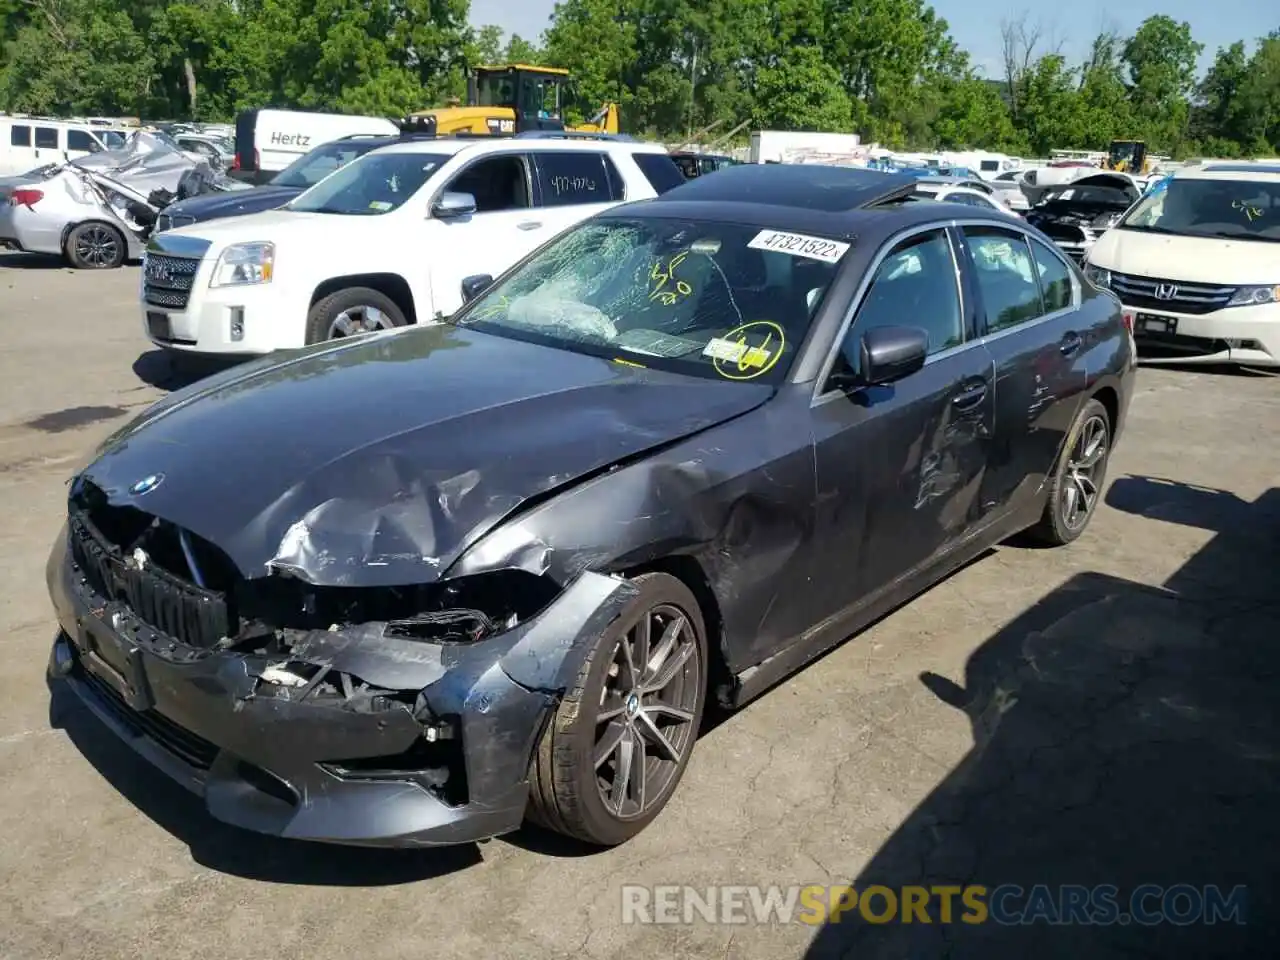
x=1103, y=714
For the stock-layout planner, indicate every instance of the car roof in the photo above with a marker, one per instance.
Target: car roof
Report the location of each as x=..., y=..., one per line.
x=485, y=144
x=795, y=186
x=1228, y=171
x=871, y=223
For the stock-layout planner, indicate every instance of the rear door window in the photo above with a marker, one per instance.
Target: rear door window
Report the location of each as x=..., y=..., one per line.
x=1006, y=276
x=46, y=138
x=570, y=178
x=1055, y=278
x=20, y=136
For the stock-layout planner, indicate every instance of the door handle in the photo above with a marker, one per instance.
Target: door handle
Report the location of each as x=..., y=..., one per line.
x=1070, y=344
x=970, y=396
x=529, y=225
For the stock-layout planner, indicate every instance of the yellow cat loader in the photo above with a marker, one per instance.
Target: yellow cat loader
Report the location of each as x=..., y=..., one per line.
x=509, y=99
x=1128, y=156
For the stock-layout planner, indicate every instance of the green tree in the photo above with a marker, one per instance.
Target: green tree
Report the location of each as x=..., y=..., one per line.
x=1161, y=62
x=1256, y=116
x=802, y=92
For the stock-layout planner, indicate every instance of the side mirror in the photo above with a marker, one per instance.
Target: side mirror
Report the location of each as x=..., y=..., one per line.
x=475, y=285
x=891, y=353
x=451, y=206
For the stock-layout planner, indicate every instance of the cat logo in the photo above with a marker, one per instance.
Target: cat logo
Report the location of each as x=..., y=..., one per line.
x=500, y=126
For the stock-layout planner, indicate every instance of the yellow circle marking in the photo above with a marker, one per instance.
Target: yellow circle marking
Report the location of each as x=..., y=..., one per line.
x=742, y=368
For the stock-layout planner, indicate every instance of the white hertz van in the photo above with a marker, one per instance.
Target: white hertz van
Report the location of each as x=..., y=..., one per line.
x=1196, y=264
x=267, y=141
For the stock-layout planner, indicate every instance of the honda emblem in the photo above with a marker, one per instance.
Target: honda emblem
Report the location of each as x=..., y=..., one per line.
x=1166, y=291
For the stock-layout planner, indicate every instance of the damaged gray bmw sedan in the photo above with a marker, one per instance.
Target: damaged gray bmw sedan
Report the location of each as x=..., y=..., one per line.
x=420, y=586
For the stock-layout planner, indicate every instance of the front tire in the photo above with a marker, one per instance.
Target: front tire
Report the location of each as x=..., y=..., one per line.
x=620, y=739
x=351, y=312
x=96, y=246
x=1078, y=478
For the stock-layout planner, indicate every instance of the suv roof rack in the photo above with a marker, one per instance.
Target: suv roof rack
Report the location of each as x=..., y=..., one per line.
x=573, y=135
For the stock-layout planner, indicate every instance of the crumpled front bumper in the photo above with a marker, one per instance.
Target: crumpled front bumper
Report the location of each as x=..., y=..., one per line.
x=270, y=759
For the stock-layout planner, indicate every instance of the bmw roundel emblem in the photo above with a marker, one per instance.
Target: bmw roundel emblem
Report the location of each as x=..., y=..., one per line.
x=147, y=484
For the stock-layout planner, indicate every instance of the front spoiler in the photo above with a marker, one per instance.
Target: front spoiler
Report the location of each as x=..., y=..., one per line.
x=256, y=760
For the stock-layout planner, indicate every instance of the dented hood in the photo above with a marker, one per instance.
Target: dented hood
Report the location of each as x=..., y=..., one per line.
x=379, y=461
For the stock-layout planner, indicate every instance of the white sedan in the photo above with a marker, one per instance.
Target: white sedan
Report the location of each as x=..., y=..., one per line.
x=974, y=193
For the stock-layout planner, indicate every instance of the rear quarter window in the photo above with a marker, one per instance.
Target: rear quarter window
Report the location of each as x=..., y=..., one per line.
x=20, y=136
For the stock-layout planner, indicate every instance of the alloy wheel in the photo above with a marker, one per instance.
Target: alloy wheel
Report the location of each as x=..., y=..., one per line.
x=357, y=320
x=644, y=725
x=98, y=246
x=1085, y=467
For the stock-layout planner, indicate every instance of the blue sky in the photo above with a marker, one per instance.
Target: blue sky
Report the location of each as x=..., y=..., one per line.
x=976, y=23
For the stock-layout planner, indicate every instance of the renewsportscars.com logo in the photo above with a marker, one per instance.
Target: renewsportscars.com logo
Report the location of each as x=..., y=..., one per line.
x=1007, y=904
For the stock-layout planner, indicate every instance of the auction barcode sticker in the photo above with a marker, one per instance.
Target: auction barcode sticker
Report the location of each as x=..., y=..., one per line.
x=798, y=245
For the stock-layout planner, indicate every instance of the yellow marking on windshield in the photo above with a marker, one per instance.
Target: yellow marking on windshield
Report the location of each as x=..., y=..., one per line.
x=669, y=288
x=628, y=363
x=756, y=358
x=1251, y=211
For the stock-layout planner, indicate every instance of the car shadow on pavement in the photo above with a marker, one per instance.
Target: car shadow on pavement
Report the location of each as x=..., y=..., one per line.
x=167, y=370
x=33, y=261
x=228, y=849
x=1124, y=735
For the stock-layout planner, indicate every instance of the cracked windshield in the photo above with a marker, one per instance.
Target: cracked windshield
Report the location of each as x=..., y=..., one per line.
x=716, y=300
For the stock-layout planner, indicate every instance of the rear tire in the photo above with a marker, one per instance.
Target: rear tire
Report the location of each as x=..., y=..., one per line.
x=611, y=714
x=1078, y=479
x=96, y=246
x=351, y=312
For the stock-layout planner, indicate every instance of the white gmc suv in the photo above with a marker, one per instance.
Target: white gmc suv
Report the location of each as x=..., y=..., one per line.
x=1196, y=264
x=385, y=241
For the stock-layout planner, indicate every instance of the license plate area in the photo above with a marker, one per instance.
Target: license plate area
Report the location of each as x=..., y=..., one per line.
x=158, y=325
x=116, y=663
x=1155, y=323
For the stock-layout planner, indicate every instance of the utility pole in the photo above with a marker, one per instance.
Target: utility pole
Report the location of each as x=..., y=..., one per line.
x=693, y=86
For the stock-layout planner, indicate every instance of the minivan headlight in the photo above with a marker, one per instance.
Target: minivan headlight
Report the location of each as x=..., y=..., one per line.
x=1097, y=276
x=1254, y=296
x=244, y=263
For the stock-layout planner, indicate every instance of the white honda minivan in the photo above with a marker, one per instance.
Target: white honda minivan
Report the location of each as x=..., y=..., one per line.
x=1196, y=264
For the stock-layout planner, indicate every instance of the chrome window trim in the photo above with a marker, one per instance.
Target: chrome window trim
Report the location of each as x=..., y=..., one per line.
x=821, y=396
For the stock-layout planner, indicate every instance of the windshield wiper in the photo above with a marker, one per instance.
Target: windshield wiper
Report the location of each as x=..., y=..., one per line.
x=1228, y=235
x=1171, y=233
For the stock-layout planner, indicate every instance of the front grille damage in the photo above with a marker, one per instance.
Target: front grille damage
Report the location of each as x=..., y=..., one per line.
x=182, y=598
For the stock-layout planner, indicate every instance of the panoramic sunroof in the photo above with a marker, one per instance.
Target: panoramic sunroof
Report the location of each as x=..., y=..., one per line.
x=801, y=186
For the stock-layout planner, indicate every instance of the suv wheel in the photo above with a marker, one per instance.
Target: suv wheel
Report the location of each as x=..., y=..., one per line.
x=1078, y=478
x=350, y=312
x=620, y=740
x=96, y=246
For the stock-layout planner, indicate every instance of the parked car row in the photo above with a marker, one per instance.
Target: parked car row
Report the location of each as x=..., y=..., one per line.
x=667, y=441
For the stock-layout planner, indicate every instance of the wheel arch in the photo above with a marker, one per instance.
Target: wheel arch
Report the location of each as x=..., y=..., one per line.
x=66, y=230
x=1110, y=400
x=689, y=571
x=391, y=285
